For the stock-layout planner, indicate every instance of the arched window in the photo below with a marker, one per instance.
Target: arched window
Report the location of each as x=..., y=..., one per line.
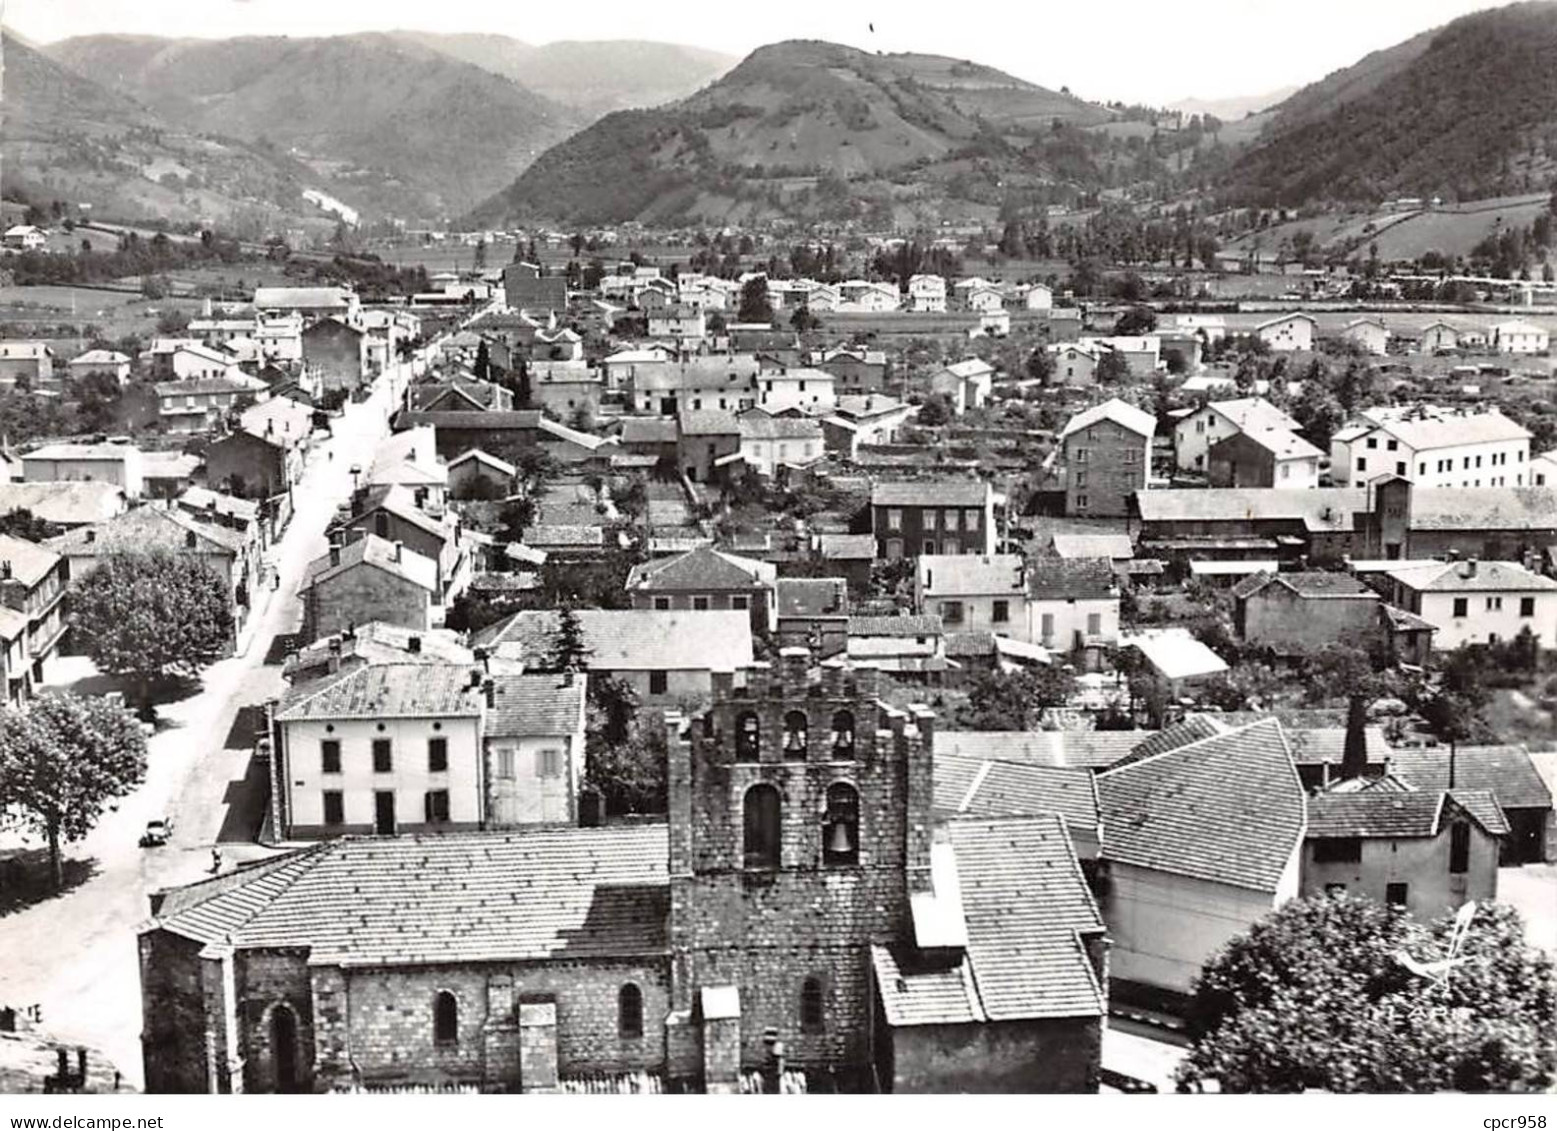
x=795, y=725
x=629, y=1012
x=446, y=1018
x=811, y=1013
x=762, y=811
x=283, y=1048
x=748, y=737
x=841, y=826
x=843, y=736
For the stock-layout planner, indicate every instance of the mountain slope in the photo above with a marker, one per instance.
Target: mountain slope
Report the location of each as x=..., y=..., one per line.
x=593, y=77
x=66, y=137
x=387, y=126
x=1464, y=112
x=783, y=131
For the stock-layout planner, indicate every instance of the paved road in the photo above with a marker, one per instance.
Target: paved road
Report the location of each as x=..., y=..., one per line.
x=75, y=955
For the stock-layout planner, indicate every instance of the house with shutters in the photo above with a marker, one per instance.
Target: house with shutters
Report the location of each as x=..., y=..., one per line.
x=1073, y=606
x=1433, y=447
x=704, y=579
x=367, y=579
x=1105, y=452
x=974, y=592
x=391, y=513
x=945, y=516
x=32, y=619
x=1194, y=435
x=1476, y=602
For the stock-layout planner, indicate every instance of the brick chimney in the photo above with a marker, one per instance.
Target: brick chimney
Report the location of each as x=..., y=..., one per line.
x=489, y=692
x=13, y=592
x=1469, y=568
x=399, y=549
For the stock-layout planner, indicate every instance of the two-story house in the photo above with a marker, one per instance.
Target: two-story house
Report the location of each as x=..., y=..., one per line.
x=365, y=580
x=203, y=403
x=946, y=516
x=1432, y=447
x=391, y=513
x=974, y=592
x=855, y=370
x=811, y=389
x=967, y=383
x=771, y=442
x=704, y=579
x=1287, y=333
x=264, y=455
x=927, y=294
x=1106, y=454
x=1473, y=602
x=1304, y=611
x=119, y=464
x=1073, y=606
x=1272, y=458
x=1217, y=420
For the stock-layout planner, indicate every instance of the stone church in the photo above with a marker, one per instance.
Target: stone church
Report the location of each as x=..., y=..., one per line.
x=810, y=916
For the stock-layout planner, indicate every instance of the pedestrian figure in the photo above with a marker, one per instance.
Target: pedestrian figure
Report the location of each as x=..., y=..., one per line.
x=216, y=860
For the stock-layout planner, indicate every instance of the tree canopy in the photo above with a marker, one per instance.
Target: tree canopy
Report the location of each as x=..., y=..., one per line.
x=1315, y=997
x=1014, y=701
x=152, y=615
x=62, y=760
x=755, y=306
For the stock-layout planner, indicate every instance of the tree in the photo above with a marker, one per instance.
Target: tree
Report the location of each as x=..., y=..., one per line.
x=62, y=760
x=936, y=411
x=755, y=306
x=1015, y=701
x=625, y=753
x=569, y=650
x=804, y=321
x=1137, y=320
x=1040, y=366
x=1314, y=996
x=1112, y=369
x=22, y=523
x=479, y=259
x=152, y=615
x=483, y=366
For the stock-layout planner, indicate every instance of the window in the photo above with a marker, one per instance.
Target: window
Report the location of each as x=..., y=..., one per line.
x=505, y=762
x=436, y=806
x=795, y=740
x=894, y=549
x=549, y=763
x=437, y=755
x=1046, y=628
x=762, y=811
x=1286, y=471
x=383, y=760
x=1081, y=455
x=334, y=807
x=1362, y=464
x=1461, y=606
x=1338, y=850
x=841, y=826
x=1373, y=442
x=1527, y=606
x=330, y=756
x=700, y=604
x=748, y=737
x=1459, y=848
x=894, y=518
x=1081, y=502
x=932, y=518
x=629, y=1012
x=929, y=546
x=811, y=1006
x=1478, y=461
x=951, y=612
x=1094, y=624
x=1396, y=894
x=1001, y=612
x=1393, y=445
x=843, y=735
x=1081, y=479
x=658, y=681
x=1400, y=467
x=446, y=1018
x=662, y=603
x=740, y=601
x=1130, y=454
x=1494, y=604
x=952, y=515
x=1421, y=469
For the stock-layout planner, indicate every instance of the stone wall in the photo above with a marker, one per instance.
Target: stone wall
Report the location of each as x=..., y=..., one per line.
x=1050, y=1055
x=173, y=1024
x=361, y=594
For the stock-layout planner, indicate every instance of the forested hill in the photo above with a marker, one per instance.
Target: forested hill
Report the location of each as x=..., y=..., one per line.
x=1465, y=112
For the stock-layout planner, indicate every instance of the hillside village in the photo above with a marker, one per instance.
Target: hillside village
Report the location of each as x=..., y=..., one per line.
x=643, y=659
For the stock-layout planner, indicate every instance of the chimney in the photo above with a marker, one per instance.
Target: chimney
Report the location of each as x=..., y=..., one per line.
x=381, y=524
x=398, y=547
x=568, y=677
x=335, y=556
x=413, y=645
x=489, y=691
x=333, y=661
x=91, y=535
x=1469, y=568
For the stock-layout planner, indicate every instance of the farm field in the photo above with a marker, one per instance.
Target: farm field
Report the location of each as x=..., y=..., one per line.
x=115, y=314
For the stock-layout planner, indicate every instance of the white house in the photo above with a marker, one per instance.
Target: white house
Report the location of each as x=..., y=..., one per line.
x=113, y=363
x=1073, y=606
x=1473, y=602
x=968, y=383
x=1368, y=334
x=1288, y=332
x=26, y=237
x=1438, y=336
x=769, y=442
x=119, y=464
x=1433, y=447
x=679, y=322
x=1074, y=363
x=858, y=295
x=1194, y=435
x=1039, y=296
x=927, y=294
x=974, y=592
x=1187, y=876
x=811, y=389
x=1518, y=336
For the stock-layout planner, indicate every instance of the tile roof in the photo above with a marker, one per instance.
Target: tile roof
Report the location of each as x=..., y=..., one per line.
x=928, y=625
x=1115, y=547
x=1472, y=577
x=1447, y=428
x=29, y=562
x=761, y=426
x=547, y=534
x=518, y=420
x=1315, y=746
x=701, y=569
x=847, y=547
x=379, y=553
x=1321, y=508
x=149, y=529
x=485, y=458
x=423, y=900
x=66, y=502
x=1389, y=814
x=708, y=422
x=282, y=421
x=1253, y=414
x=1092, y=749
x=1312, y=584
x=636, y=639
x=385, y=691
x=1117, y=411
x=301, y=298
x=536, y=706
x=1505, y=771
x=931, y=493
x=205, y=500
x=812, y=596
x=1278, y=441
x=110, y=453
x=1484, y=508
x=395, y=499
x=648, y=430
x=1228, y=809
x=979, y=787
x=1080, y=579
x=378, y=642
x=951, y=575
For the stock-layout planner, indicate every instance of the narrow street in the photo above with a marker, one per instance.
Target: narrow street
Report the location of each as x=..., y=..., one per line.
x=75, y=955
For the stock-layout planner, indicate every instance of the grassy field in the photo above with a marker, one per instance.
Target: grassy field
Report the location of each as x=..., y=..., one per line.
x=115, y=314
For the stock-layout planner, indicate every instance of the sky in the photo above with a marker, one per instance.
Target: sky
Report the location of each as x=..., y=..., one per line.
x=1172, y=49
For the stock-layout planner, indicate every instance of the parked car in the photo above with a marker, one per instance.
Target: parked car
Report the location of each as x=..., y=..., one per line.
x=158, y=832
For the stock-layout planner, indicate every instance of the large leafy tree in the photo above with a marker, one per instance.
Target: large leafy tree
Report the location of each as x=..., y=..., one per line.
x=755, y=306
x=625, y=751
x=147, y=616
x=62, y=760
x=1315, y=997
x=1016, y=700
